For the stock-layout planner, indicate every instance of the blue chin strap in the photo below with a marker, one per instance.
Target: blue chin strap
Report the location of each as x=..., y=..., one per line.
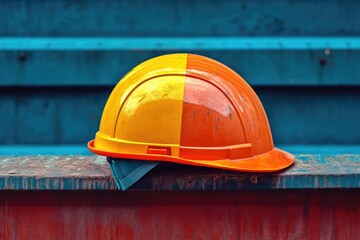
x=127, y=172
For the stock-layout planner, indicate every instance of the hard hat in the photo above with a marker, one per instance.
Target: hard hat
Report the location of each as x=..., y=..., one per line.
x=188, y=109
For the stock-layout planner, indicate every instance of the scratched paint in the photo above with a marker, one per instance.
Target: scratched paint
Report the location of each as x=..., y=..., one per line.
x=310, y=171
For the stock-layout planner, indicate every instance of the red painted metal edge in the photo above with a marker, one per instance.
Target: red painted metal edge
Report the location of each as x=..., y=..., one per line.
x=229, y=215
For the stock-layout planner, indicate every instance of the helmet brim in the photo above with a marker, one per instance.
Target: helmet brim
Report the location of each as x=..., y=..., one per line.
x=272, y=161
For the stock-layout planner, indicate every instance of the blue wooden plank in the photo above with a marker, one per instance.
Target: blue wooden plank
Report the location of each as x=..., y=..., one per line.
x=313, y=115
x=92, y=173
x=51, y=116
x=180, y=43
x=179, y=18
x=31, y=150
x=321, y=149
x=72, y=115
x=8, y=113
x=105, y=68
x=35, y=119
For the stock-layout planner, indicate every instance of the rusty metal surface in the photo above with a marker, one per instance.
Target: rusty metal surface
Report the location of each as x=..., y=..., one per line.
x=42, y=172
x=300, y=214
x=47, y=172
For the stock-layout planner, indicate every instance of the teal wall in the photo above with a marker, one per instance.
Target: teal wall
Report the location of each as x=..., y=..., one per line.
x=59, y=60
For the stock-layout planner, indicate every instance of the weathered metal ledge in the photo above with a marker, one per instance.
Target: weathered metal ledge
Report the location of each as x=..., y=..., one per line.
x=49, y=172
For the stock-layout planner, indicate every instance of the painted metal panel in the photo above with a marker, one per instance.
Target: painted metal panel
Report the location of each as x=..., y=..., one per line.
x=179, y=18
x=105, y=68
x=312, y=115
x=72, y=115
x=180, y=215
x=51, y=172
x=8, y=111
x=56, y=115
x=81, y=149
x=179, y=43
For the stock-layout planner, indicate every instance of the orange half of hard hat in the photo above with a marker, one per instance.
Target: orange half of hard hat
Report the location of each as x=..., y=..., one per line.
x=188, y=109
